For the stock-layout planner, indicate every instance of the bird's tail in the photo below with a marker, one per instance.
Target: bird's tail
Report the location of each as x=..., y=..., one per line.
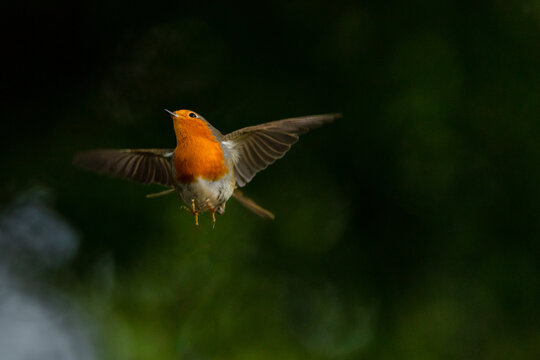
x=251, y=205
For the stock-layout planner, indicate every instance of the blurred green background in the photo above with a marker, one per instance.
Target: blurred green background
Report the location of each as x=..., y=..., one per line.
x=409, y=229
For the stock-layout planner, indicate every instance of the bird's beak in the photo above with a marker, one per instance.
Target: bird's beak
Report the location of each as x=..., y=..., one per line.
x=170, y=112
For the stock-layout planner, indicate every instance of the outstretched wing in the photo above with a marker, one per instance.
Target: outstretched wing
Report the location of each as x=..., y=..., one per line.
x=140, y=165
x=256, y=147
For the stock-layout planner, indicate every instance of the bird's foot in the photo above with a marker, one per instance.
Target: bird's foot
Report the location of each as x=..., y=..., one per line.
x=192, y=211
x=195, y=212
x=212, y=211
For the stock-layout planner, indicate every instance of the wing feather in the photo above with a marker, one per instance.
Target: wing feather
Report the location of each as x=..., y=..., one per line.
x=258, y=146
x=140, y=165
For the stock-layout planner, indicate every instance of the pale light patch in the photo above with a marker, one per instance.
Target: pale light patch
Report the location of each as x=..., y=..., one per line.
x=231, y=146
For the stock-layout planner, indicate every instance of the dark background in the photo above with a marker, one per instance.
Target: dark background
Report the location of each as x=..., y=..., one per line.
x=407, y=229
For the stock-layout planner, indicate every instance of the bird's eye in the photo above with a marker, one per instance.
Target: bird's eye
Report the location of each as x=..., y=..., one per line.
x=193, y=115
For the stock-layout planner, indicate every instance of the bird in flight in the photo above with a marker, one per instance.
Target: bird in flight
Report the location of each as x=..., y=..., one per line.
x=206, y=167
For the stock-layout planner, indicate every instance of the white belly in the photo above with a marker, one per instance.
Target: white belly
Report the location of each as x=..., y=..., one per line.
x=208, y=194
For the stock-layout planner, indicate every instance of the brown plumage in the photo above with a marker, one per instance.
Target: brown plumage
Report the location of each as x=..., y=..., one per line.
x=144, y=166
x=260, y=145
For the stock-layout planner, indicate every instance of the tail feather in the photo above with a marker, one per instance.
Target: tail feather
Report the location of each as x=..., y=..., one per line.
x=251, y=205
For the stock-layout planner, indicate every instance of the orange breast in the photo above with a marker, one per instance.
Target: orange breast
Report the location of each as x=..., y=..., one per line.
x=197, y=153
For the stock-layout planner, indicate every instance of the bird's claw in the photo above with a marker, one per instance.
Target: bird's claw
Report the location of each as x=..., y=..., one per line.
x=192, y=211
x=195, y=212
x=213, y=212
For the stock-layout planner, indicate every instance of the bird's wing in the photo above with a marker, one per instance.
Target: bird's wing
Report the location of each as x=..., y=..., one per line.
x=140, y=165
x=252, y=205
x=256, y=147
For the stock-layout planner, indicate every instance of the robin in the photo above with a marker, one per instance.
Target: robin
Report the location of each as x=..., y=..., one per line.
x=206, y=168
